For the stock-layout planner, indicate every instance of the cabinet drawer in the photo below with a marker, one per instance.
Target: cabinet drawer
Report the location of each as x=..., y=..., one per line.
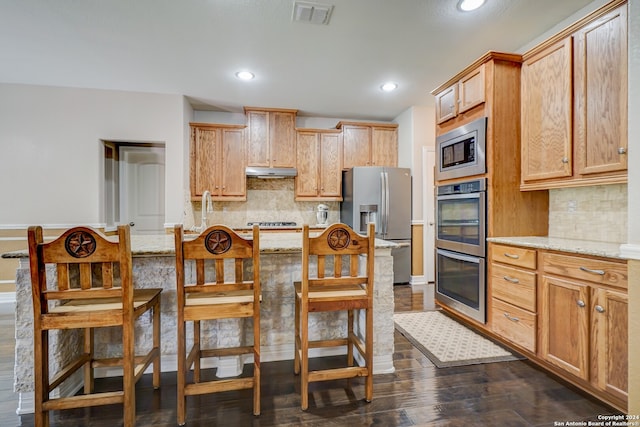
x=593, y=270
x=514, y=324
x=517, y=287
x=520, y=257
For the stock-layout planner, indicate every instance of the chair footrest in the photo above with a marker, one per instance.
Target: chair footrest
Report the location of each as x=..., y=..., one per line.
x=338, y=373
x=218, y=385
x=83, y=401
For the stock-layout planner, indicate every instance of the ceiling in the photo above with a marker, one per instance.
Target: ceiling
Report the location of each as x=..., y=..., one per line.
x=194, y=47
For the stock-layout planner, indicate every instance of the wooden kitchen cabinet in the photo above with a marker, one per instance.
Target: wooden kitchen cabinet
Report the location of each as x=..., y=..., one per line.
x=369, y=144
x=512, y=285
x=271, y=137
x=319, y=165
x=574, y=104
x=217, y=161
x=584, y=320
x=461, y=96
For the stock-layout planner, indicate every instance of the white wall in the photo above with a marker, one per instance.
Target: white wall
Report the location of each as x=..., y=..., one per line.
x=50, y=139
x=416, y=129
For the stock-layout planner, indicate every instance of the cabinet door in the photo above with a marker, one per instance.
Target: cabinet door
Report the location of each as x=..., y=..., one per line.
x=471, y=90
x=565, y=325
x=547, y=114
x=204, y=155
x=257, y=138
x=446, y=102
x=356, y=142
x=600, y=85
x=609, y=345
x=384, y=147
x=233, y=177
x=307, y=164
x=330, y=170
x=282, y=139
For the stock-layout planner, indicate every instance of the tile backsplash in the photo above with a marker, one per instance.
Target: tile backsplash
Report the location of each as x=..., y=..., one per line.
x=267, y=200
x=589, y=213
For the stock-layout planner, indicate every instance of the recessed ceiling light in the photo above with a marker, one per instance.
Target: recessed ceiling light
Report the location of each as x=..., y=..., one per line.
x=469, y=5
x=389, y=86
x=245, y=75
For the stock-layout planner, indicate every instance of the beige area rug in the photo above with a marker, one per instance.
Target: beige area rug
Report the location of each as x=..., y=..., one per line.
x=448, y=343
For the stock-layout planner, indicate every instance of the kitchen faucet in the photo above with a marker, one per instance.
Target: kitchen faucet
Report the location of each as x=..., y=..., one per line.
x=206, y=206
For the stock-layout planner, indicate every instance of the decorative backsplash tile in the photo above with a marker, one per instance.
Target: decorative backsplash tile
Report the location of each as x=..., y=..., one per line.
x=589, y=213
x=267, y=200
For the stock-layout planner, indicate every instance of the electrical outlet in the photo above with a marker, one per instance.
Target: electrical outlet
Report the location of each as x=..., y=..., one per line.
x=572, y=206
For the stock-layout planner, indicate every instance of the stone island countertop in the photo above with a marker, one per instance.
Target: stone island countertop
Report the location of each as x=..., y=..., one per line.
x=582, y=247
x=163, y=244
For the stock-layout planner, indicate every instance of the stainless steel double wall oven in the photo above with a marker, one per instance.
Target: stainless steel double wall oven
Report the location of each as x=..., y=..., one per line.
x=461, y=209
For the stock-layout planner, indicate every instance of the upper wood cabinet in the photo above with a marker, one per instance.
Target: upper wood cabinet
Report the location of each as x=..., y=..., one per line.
x=574, y=104
x=369, y=144
x=217, y=161
x=319, y=165
x=461, y=96
x=271, y=137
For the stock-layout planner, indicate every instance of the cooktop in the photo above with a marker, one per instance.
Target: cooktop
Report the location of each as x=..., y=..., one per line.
x=272, y=223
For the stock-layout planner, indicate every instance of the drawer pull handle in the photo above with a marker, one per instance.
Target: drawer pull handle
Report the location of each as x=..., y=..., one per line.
x=599, y=309
x=511, y=279
x=512, y=256
x=588, y=270
x=513, y=319
x=580, y=303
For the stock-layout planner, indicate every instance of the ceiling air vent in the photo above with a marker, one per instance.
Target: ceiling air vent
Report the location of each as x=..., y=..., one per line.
x=314, y=13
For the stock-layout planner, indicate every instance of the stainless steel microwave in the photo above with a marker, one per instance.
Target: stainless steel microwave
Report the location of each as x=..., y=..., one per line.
x=461, y=152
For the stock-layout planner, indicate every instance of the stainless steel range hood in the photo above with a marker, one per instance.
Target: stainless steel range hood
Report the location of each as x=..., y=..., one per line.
x=260, y=172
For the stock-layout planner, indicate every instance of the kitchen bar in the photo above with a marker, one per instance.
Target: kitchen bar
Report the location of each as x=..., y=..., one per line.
x=154, y=267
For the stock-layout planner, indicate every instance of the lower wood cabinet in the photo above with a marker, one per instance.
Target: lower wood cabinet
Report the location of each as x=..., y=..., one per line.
x=584, y=320
x=568, y=312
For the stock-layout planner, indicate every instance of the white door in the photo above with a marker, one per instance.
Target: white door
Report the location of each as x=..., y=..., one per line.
x=142, y=188
x=428, y=197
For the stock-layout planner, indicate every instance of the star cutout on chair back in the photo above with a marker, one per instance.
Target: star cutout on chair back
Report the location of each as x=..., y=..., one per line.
x=338, y=239
x=218, y=242
x=80, y=244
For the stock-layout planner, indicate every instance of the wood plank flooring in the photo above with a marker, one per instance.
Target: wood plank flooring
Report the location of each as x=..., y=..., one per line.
x=416, y=394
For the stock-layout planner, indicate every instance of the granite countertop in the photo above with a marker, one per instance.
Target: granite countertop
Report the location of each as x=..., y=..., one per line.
x=163, y=244
x=582, y=247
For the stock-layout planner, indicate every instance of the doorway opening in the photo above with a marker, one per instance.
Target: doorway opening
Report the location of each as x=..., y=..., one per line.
x=134, y=180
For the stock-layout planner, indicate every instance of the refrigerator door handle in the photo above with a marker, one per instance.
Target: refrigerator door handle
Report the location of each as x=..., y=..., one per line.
x=385, y=204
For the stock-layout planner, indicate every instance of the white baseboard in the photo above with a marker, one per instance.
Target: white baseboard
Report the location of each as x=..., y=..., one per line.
x=418, y=280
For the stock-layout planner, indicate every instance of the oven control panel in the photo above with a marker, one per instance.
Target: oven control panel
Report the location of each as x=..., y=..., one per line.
x=474, y=186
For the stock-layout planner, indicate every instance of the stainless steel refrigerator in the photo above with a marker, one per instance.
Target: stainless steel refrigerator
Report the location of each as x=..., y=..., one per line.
x=381, y=195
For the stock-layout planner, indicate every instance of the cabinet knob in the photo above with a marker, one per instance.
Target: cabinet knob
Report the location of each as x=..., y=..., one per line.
x=565, y=160
x=580, y=303
x=622, y=150
x=599, y=309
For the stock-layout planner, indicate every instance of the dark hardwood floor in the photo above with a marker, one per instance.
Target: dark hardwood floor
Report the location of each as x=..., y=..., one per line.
x=416, y=394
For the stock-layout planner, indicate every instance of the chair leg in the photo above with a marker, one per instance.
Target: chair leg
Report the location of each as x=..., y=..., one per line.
x=182, y=372
x=304, y=362
x=350, y=337
x=296, y=337
x=88, y=369
x=256, y=360
x=156, y=344
x=41, y=377
x=128, y=380
x=369, y=356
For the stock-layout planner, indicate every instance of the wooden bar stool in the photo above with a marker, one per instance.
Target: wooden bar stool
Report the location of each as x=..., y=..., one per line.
x=331, y=291
x=214, y=296
x=92, y=288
